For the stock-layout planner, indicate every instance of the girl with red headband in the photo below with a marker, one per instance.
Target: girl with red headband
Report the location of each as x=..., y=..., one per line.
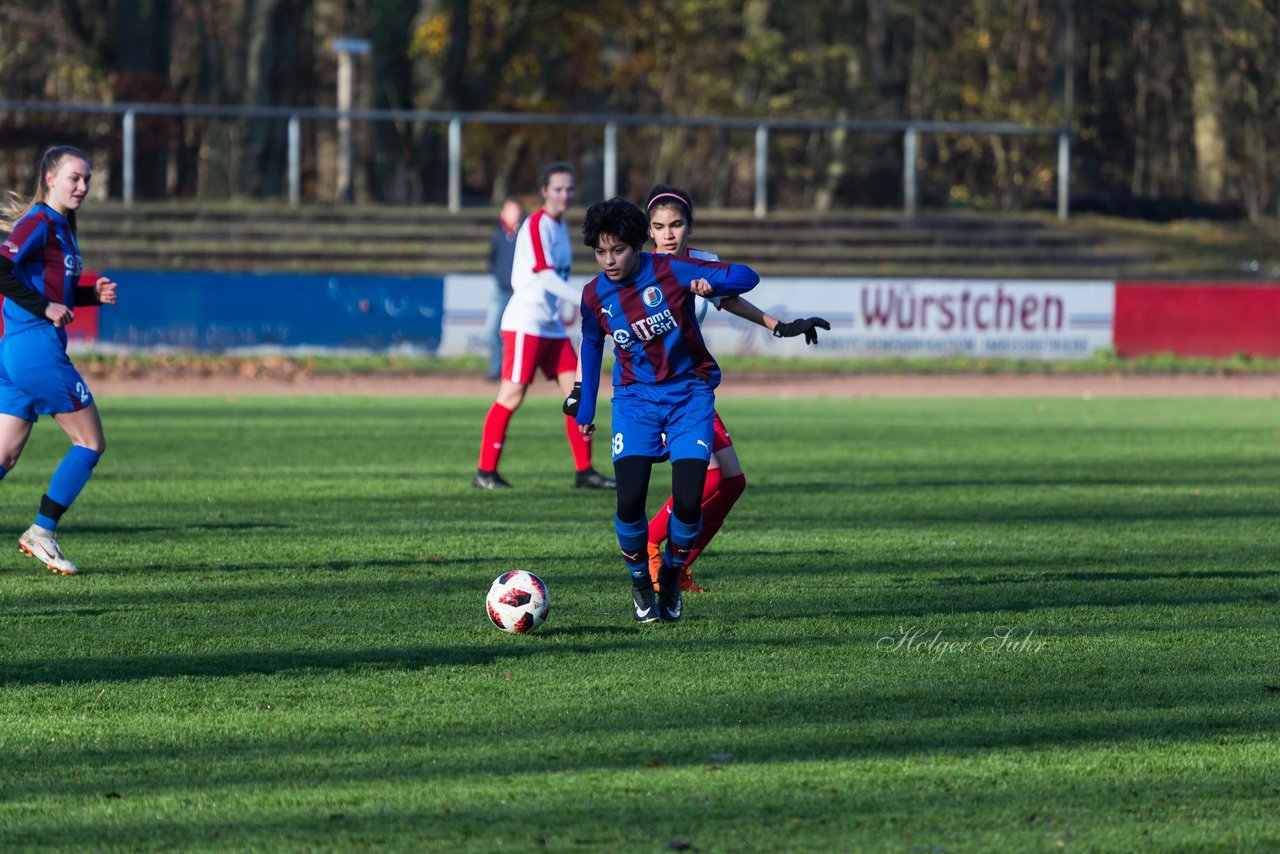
x=670, y=213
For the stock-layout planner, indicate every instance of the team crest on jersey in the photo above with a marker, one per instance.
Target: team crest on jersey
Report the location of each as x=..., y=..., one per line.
x=652, y=296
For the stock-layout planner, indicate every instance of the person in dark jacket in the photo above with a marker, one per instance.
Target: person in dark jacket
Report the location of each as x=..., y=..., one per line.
x=502, y=249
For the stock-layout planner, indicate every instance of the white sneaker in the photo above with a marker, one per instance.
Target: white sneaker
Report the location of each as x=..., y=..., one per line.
x=41, y=544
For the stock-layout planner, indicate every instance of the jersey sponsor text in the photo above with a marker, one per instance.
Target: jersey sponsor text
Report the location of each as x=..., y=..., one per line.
x=648, y=328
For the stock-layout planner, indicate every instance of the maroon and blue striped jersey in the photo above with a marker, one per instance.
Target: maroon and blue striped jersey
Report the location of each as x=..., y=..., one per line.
x=652, y=322
x=45, y=258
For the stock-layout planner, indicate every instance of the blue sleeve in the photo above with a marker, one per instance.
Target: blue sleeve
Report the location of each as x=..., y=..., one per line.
x=592, y=355
x=727, y=280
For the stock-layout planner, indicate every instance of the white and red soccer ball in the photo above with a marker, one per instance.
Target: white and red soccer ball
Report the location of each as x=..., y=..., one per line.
x=517, y=601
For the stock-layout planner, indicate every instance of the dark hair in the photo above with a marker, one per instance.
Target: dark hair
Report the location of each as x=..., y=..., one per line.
x=556, y=169
x=617, y=218
x=661, y=194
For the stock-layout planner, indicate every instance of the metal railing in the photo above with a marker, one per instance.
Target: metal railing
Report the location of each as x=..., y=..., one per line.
x=454, y=122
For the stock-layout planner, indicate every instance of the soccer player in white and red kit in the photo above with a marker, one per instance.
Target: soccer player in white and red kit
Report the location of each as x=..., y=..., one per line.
x=533, y=335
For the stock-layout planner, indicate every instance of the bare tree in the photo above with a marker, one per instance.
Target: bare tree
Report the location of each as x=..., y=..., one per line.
x=131, y=40
x=1206, y=100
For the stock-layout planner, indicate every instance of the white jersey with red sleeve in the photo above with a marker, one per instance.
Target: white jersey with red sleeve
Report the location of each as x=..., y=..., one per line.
x=540, y=278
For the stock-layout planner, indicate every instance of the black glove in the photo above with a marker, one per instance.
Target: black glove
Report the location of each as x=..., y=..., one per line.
x=806, y=326
x=571, y=402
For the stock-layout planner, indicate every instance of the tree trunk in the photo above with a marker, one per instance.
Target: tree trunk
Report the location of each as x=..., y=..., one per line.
x=1141, y=87
x=273, y=29
x=513, y=152
x=454, y=83
x=132, y=43
x=1206, y=101
x=834, y=174
x=392, y=76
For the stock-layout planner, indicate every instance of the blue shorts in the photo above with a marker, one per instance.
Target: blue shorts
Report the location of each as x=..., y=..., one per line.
x=682, y=409
x=36, y=376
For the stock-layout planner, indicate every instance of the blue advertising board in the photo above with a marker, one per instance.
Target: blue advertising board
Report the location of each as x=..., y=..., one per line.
x=215, y=312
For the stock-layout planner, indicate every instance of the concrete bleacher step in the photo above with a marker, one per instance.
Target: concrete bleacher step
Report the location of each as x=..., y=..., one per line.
x=431, y=241
x=727, y=241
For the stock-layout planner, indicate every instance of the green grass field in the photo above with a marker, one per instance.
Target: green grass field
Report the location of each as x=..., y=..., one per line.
x=932, y=625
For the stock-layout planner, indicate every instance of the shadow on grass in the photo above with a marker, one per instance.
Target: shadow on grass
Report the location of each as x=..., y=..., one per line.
x=902, y=811
x=1100, y=574
x=781, y=584
x=132, y=668
x=969, y=569
x=1002, y=514
x=421, y=566
x=822, y=724
x=185, y=528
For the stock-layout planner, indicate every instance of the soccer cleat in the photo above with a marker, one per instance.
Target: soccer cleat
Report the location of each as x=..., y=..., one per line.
x=41, y=544
x=489, y=480
x=670, y=603
x=589, y=478
x=687, y=584
x=644, y=609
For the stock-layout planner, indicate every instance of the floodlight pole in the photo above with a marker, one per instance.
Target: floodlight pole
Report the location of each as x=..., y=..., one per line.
x=610, y=160
x=761, y=208
x=295, y=161
x=129, y=144
x=346, y=48
x=455, y=164
x=1068, y=107
x=910, y=173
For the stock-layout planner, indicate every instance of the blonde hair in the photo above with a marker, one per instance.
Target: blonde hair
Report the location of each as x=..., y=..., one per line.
x=19, y=206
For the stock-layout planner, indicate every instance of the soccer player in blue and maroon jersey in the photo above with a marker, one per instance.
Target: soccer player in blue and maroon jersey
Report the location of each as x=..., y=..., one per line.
x=40, y=271
x=664, y=383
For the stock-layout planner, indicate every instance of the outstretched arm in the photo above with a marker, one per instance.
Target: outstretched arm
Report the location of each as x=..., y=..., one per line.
x=748, y=310
x=807, y=326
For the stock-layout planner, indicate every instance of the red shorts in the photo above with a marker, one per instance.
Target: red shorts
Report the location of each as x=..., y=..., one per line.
x=720, y=440
x=523, y=354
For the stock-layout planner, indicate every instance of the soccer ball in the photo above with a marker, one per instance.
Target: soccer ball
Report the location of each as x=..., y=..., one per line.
x=517, y=601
